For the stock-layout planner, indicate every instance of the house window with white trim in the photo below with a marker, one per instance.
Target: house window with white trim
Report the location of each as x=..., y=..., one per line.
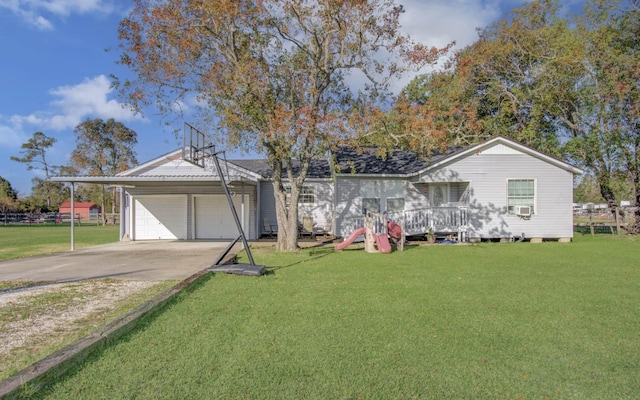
x=307, y=195
x=371, y=196
x=521, y=196
x=394, y=191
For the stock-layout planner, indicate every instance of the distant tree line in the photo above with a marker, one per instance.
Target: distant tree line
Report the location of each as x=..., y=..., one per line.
x=103, y=148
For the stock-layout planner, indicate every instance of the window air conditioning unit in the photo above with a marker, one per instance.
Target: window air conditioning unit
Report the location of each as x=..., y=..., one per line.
x=523, y=211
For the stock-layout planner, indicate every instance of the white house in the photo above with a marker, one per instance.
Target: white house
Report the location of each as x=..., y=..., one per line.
x=496, y=189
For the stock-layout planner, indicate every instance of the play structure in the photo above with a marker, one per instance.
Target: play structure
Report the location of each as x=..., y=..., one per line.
x=378, y=231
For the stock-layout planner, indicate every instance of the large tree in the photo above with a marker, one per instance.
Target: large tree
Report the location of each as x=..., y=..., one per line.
x=568, y=88
x=34, y=154
x=274, y=76
x=103, y=148
x=509, y=82
x=604, y=127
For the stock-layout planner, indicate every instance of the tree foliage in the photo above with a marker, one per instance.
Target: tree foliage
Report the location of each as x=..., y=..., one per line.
x=34, y=153
x=510, y=82
x=605, y=126
x=567, y=88
x=46, y=194
x=270, y=75
x=103, y=148
x=8, y=196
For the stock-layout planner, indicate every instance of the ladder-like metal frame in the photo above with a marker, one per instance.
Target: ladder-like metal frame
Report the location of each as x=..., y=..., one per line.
x=196, y=154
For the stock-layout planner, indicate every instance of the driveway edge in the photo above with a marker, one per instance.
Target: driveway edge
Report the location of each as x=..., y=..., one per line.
x=34, y=377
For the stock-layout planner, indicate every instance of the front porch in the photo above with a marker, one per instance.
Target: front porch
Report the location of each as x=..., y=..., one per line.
x=442, y=221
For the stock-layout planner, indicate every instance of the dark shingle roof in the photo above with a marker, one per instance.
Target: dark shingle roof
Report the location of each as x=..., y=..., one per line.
x=349, y=160
x=366, y=161
x=318, y=168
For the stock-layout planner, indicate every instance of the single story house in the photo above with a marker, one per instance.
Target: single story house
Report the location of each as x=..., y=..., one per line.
x=493, y=190
x=85, y=210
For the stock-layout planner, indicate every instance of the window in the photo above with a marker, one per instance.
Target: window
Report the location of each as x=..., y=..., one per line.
x=521, y=194
x=379, y=194
x=371, y=196
x=438, y=194
x=395, y=195
x=307, y=195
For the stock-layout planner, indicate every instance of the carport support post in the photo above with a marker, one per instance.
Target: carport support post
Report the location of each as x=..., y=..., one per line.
x=72, y=214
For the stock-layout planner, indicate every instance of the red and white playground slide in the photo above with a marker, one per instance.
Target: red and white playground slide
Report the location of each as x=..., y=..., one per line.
x=382, y=242
x=347, y=241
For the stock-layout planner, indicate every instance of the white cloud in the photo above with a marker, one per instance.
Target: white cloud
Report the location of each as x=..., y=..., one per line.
x=441, y=22
x=33, y=11
x=73, y=104
x=438, y=23
x=89, y=98
x=11, y=137
x=66, y=7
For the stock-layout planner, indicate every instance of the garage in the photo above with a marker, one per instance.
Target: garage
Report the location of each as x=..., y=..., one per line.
x=213, y=218
x=160, y=217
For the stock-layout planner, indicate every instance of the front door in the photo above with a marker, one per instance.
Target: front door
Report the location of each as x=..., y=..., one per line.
x=438, y=194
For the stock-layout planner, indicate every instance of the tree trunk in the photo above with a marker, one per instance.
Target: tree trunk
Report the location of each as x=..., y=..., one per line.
x=604, y=181
x=287, y=221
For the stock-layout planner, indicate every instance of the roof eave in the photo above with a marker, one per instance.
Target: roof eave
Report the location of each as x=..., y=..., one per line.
x=507, y=142
x=128, y=180
x=357, y=175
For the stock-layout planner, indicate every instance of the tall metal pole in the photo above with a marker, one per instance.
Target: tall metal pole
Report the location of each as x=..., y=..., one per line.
x=73, y=212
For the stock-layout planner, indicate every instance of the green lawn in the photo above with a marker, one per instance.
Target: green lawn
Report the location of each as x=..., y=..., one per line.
x=487, y=321
x=34, y=240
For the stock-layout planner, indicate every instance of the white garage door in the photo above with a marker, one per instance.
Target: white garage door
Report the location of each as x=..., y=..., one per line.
x=160, y=217
x=213, y=217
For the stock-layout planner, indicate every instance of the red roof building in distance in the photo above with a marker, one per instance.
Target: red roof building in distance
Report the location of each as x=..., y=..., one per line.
x=85, y=210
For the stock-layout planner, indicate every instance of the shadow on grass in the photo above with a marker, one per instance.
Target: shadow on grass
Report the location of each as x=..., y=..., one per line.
x=318, y=252
x=314, y=254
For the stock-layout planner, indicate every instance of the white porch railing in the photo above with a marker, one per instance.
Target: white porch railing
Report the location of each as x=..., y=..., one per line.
x=449, y=220
x=437, y=219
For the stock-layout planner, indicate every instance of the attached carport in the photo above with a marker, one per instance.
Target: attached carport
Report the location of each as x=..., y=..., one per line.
x=162, y=203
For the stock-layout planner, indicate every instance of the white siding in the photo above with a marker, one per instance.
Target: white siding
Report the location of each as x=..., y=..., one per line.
x=321, y=210
x=348, y=203
x=349, y=198
x=178, y=167
x=488, y=174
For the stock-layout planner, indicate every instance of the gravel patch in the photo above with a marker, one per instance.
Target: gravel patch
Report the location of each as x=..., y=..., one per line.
x=30, y=316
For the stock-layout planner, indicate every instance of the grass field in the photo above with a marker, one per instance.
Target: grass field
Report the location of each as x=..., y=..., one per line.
x=487, y=321
x=34, y=240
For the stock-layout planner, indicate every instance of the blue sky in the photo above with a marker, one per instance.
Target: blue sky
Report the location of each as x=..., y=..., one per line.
x=56, y=65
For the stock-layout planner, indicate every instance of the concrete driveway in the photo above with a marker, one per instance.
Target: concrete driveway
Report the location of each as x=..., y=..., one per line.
x=137, y=260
